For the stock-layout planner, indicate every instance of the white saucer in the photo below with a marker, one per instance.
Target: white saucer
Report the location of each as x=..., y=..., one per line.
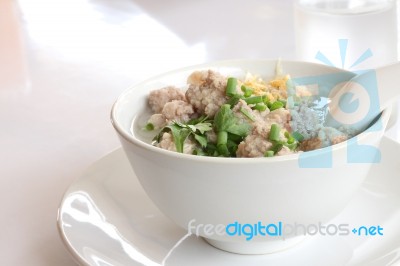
x=105, y=218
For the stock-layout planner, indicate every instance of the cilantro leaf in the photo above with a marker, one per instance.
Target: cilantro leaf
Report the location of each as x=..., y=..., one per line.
x=181, y=131
x=203, y=127
x=201, y=139
x=225, y=120
x=179, y=134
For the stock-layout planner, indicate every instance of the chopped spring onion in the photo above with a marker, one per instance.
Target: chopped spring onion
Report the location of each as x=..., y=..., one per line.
x=287, y=134
x=231, y=87
x=291, y=146
x=247, y=114
x=296, y=135
x=222, y=139
x=276, y=105
x=234, y=100
x=260, y=107
x=276, y=147
x=269, y=154
x=254, y=100
x=149, y=127
x=265, y=99
x=247, y=91
x=292, y=143
x=274, y=133
x=290, y=139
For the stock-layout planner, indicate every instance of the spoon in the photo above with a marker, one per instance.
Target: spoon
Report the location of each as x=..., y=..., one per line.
x=358, y=101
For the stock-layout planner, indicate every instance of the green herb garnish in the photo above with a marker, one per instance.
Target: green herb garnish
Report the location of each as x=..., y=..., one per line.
x=269, y=153
x=181, y=131
x=276, y=105
x=149, y=127
x=260, y=107
x=231, y=87
x=277, y=143
x=247, y=91
x=254, y=99
x=234, y=100
x=299, y=137
x=247, y=114
x=226, y=122
x=274, y=132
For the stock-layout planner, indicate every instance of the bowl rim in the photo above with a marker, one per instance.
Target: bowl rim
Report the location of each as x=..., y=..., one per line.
x=235, y=160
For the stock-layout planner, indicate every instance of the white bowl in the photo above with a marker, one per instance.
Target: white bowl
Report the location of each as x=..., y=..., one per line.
x=196, y=191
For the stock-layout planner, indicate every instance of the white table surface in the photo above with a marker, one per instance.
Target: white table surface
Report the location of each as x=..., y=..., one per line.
x=62, y=65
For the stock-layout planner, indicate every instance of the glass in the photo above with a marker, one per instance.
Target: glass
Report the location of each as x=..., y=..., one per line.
x=352, y=34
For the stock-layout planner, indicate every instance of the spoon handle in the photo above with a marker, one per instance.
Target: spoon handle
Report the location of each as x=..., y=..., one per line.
x=388, y=81
x=373, y=90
